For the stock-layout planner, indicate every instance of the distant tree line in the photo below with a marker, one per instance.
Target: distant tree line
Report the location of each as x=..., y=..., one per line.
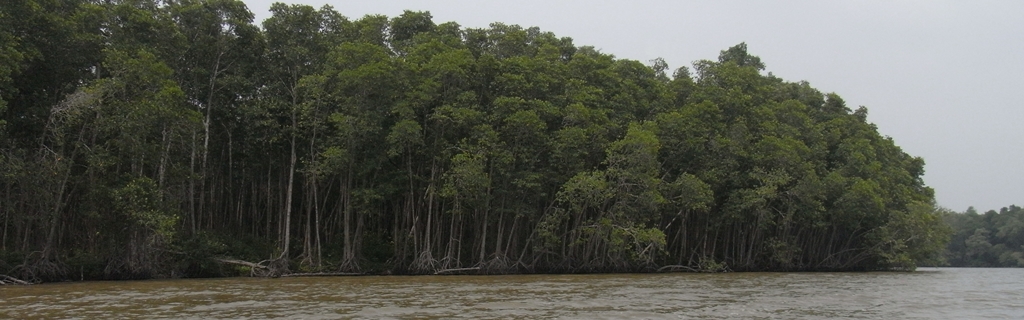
x=992, y=239
x=146, y=138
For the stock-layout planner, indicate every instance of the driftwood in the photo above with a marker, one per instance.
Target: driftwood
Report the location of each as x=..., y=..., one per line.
x=323, y=274
x=682, y=268
x=447, y=271
x=261, y=269
x=6, y=280
x=274, y=268
x=677, y=268
x=242, y=263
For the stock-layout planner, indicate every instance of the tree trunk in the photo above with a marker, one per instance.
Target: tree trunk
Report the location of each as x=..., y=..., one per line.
x=287, y=212
x=346, y=195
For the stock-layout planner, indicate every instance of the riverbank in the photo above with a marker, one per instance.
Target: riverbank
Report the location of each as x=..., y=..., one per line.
x=233, y=268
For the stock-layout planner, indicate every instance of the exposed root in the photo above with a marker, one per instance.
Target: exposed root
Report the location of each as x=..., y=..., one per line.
x=424, y=263
x=38, y=268
x=277, y=267
x=523, y=267
x=450, y=262
x=349, y=266
x=498, y=264
x=309, y=263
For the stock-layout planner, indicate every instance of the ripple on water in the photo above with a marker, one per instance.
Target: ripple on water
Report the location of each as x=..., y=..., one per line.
x=927, y=294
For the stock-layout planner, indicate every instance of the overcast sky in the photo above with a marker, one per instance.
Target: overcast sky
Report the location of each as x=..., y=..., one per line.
x=944, y=79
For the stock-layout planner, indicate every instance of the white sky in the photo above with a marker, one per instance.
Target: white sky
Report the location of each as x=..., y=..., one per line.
x=943, y=78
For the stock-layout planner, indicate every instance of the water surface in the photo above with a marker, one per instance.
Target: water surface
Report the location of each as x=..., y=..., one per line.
x=925, y=294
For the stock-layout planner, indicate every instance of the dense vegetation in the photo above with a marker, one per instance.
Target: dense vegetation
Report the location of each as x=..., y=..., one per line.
x=145, y=138
x=993, y=239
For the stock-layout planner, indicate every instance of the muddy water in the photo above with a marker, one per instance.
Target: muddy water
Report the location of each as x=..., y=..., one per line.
x=925, y=294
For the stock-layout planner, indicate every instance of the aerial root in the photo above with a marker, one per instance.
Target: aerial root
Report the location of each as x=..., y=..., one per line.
x=449, y=262
x=424, y=263
x=500, y=263
x=37, y=268
x=350, y=265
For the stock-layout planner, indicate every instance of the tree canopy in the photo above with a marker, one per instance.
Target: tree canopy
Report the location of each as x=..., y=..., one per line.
x=143, y=138
x=991, y=239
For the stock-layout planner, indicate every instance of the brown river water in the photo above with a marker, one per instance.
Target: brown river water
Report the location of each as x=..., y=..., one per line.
x=925, y=294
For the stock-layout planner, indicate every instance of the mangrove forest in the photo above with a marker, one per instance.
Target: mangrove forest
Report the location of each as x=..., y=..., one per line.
x=178, y=138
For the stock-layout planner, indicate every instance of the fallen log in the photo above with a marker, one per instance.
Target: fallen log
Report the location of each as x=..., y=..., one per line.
x=323, y=274
x=255, y=269
x=241, y=262
x=676, y=267
x=6, y=280
x=447, y=271
x=266, y=268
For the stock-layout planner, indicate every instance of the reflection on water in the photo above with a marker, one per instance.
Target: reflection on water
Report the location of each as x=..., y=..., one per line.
x=926, y=294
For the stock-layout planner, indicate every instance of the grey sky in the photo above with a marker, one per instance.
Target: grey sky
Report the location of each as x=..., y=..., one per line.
x=944, y=79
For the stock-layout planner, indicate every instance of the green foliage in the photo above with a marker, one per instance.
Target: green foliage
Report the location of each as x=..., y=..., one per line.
x=992, y=239
x=10, y=64
x=709, y=265
x=911, y=238
x=170, y=133
x=199, y=250
x=140, y=203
